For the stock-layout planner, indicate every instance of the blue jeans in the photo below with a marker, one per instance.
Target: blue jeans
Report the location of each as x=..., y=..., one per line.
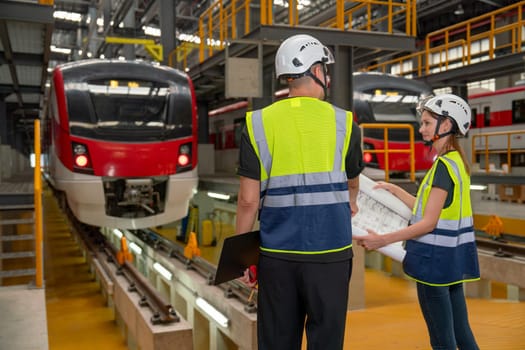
x=445, y=312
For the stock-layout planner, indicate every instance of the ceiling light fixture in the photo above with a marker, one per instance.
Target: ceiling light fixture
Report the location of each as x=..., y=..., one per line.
x=459, y=10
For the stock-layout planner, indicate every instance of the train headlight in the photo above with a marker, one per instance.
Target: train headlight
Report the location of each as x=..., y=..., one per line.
x=184, y=149
x=184, y=157
x=81, y=158
x=81, y=161
x=369, y=156
x=183, y=160
x=79, y=149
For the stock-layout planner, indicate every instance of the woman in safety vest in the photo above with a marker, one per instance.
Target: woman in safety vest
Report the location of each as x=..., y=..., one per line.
x=299, y=165
x=440, y=242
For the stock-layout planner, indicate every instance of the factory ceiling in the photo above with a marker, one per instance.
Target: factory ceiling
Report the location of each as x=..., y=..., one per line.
x=35, y=37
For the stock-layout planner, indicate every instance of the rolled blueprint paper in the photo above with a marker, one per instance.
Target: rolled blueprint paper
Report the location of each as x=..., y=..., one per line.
x=394, y=250
x=382, y=212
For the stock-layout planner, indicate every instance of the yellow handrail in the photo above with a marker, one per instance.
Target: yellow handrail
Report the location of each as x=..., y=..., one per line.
x=387, y=150
x=435, y=58
x=486, y=151
x=38, y=210
x=219, y=23
x=393, y=9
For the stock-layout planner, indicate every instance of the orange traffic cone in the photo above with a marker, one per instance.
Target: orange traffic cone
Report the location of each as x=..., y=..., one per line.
x=192, y=248
x=494, y=227
x=124, y=254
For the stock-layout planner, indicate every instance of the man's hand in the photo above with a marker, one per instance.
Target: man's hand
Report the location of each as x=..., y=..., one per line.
x=249, y=277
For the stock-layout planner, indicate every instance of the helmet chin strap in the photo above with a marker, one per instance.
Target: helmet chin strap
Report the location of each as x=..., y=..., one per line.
x=437, y=136
x=319, y=82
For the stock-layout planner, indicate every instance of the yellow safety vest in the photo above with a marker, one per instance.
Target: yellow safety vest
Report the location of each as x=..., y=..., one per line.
x=448, y=254
x=301, y=144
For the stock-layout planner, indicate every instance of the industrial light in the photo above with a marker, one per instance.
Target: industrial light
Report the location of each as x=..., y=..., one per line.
x=117, y=233
x=459, y=10
x=212, y=312
x=66, y=51
x=163, y=271
x=478, y=187
x=136, y=248
x=216, y=195
x=151, y=31
x=68, y=16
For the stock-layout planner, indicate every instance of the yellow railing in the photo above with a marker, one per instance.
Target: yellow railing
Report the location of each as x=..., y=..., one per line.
x=501, y=29
x=387, y=150
x=181, y=54
x=39, y=268
x=353, y=18
x=219, y=23
x=418, y=60
x=488, y=149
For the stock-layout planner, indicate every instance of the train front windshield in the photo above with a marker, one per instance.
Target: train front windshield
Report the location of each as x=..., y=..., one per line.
x=129, y=110
x=398, y=108
x=388, y=108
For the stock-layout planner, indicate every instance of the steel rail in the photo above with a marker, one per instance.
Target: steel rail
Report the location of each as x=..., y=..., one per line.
x=105, y=253
x=248, y=296
x=501, y=248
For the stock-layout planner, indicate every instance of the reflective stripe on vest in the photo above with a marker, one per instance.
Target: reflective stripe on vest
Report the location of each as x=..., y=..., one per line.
x=323, y=196
x=460, y=224
x=448, y=254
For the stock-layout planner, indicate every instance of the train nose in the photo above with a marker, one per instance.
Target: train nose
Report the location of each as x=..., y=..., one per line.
x=138, y=197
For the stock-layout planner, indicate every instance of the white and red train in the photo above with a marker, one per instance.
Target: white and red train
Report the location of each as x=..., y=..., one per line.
x=378, y=98
x=120, y=142
x=500, y=111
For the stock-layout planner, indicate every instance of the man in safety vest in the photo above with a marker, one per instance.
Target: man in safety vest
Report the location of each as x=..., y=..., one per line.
x=300, y=160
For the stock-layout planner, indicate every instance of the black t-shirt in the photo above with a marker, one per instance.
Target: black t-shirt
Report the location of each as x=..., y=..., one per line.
x=249, y=165
x=443, y=180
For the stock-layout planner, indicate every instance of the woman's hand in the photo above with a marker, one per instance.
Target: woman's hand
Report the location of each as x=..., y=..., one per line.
x=385, y=186
x=372, y=241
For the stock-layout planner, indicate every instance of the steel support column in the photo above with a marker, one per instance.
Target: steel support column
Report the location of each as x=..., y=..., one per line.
x=341, y=85
x=167, y=27
x=3, y=123
x=202, y=110
x=461, y=90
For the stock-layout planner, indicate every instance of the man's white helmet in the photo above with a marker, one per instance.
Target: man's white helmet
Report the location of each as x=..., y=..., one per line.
x=450, y=106
x=298, y=53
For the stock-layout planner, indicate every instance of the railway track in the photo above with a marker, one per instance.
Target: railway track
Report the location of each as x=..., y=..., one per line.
x=162, y=311
x=502, y=248
x=232, y=289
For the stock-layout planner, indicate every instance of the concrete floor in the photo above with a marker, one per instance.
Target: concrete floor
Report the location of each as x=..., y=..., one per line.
x=23, y=321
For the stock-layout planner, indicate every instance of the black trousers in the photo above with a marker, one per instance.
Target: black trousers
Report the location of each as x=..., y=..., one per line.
x=294, y=296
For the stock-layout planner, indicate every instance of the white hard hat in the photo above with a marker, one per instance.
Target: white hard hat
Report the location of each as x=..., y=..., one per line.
x=298, y=53
x=450, y=106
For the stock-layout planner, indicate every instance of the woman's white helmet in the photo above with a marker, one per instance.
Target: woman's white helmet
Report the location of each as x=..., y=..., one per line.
x=298, y=53
x=450, y=106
